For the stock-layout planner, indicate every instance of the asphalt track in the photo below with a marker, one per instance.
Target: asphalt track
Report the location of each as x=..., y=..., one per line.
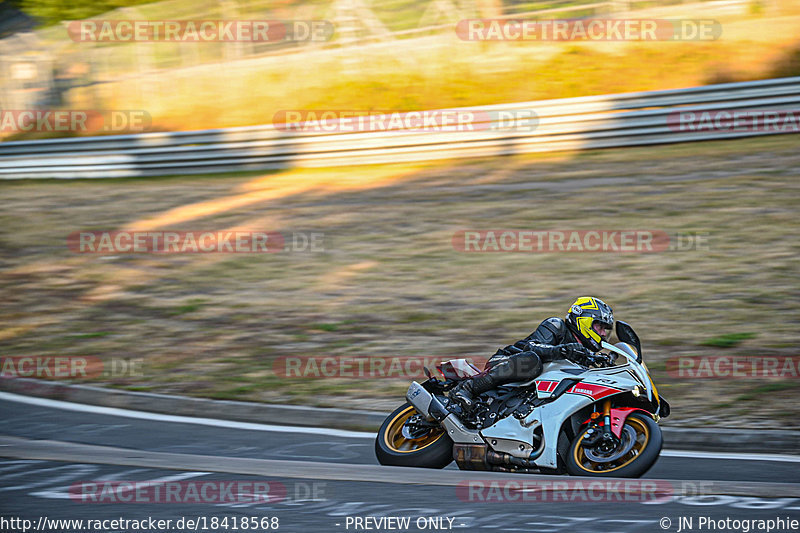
x=323, y=480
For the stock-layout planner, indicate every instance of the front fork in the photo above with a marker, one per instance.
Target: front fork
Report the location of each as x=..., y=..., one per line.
x=613, y=422
x=607, y=434
x=595, y=434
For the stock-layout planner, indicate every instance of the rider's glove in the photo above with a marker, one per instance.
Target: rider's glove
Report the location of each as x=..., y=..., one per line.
x=606, y=360
x=575, y=352
x=598, y=360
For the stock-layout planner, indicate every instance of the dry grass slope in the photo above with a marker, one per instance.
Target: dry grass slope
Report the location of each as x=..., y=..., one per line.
x=390, y=282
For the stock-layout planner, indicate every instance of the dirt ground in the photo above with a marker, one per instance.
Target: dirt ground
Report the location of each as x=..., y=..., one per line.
x=391, y=283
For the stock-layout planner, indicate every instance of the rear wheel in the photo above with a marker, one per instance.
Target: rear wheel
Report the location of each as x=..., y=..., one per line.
x=406, y=439
x=637, y=450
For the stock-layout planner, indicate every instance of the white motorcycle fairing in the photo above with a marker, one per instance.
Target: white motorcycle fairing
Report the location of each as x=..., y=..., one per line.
x=515, y=437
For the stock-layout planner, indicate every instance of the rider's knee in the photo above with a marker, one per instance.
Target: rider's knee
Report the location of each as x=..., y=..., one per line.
x=526, y=365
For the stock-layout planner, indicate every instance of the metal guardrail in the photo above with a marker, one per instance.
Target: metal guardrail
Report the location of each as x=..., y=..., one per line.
x=628, y=119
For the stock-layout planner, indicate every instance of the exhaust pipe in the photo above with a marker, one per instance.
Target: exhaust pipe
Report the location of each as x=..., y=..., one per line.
x=427, y=404
x=419, y=398
x=424, y=402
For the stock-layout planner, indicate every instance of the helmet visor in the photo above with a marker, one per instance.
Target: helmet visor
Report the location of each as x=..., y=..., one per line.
x=602, y=328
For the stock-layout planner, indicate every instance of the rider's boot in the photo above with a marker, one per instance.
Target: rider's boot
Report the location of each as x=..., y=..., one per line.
x=465, y=392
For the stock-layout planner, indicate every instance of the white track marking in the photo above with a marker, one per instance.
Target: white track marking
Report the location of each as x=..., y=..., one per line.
x=68, y=472
x=63, y=493
x=8, y=466
x=157, y=417
x=732, y=456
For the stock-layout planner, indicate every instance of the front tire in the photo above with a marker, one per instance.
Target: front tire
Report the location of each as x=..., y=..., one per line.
x=641, y=433
x=432, y=450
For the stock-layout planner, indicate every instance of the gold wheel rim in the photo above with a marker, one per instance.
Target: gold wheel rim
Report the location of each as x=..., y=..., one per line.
x=642, y=440
x=395, y=441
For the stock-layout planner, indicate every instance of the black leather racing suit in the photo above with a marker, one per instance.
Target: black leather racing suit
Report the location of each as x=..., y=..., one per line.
x=522, y=361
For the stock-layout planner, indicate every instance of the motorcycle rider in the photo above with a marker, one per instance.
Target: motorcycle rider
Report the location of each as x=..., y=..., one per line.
x=576, y=338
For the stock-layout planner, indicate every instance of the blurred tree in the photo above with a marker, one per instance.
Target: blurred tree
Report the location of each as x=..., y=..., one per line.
x=49, y=12
x=490, y=8
x=13, y=20
x=788, y=65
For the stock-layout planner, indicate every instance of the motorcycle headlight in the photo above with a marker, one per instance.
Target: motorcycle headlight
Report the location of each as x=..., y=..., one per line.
x=636, y=392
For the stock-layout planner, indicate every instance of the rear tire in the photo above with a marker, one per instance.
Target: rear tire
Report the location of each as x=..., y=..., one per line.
x=635, y=463
x=434, y=450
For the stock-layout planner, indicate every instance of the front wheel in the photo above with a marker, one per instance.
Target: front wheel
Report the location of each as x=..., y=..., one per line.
x=407, y=439
x=637, y=450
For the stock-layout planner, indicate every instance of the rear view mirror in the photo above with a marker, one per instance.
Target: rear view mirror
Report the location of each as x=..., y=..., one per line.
x=625, y=333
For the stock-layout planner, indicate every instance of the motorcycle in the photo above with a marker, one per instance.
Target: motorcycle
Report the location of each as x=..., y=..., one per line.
x=599, y=420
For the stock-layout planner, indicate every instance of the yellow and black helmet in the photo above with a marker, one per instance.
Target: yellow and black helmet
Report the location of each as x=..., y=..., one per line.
x=582, y=317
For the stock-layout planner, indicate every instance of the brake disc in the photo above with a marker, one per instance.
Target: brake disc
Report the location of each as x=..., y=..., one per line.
x=625, y=446
x=411, y=431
